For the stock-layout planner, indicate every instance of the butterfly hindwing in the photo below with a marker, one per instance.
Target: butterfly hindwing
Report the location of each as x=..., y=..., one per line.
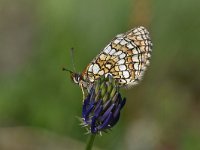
x=125, y=58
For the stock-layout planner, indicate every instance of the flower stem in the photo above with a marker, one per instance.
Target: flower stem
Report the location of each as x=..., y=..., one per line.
x=90, y=142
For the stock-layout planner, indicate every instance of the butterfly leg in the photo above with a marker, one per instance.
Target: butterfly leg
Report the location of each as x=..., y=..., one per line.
x=82, y=89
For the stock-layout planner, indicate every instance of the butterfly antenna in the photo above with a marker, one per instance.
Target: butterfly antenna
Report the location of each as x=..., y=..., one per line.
x=64, y=69
x=72, y=59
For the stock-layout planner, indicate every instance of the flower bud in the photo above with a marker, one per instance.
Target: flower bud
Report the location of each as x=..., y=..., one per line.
x=102, y=106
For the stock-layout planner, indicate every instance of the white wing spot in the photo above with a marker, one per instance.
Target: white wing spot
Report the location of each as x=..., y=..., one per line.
x=117, y=53
x=95, y=68
x=91, y=79
x=107, y=49
x=136, y=66
x=123, y=42
x=130, y=46
x=117, y=41
x=122, y=67
x=101, y=72
x=147, y=62
x=90, y=68
x=126, y=74
x=122, y=55
x=135, y=58
x=112, y=51
x=135, y=51
x=121, y=61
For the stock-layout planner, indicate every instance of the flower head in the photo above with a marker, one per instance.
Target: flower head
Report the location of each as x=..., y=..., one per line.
x=102, y=106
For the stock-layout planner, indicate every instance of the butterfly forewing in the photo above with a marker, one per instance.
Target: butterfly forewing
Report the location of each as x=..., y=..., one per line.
x=125, y=58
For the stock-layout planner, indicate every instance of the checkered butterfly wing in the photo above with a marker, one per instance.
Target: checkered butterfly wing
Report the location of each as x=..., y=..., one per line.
x=125, y=58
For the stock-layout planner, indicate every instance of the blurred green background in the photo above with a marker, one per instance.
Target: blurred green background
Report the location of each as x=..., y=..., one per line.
x=39, y=104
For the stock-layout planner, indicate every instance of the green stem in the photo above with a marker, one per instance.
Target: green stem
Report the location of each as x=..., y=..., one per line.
x=90, y=142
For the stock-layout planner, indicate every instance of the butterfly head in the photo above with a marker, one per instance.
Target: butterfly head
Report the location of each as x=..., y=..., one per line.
x=75, y=77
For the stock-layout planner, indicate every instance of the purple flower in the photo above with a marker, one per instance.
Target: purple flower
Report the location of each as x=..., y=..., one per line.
x=102, y=106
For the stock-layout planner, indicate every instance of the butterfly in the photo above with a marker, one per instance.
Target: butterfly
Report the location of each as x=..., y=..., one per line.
x=125, y=58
